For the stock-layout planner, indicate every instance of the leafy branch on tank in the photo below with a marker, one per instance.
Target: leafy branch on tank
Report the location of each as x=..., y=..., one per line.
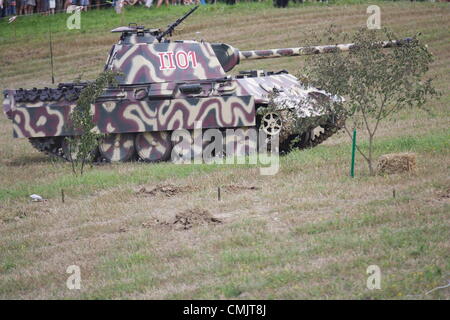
x=83, y=145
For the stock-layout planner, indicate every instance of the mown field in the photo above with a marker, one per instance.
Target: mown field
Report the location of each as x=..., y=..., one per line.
x=146, y=230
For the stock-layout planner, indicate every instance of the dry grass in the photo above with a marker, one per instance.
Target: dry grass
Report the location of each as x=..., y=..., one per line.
x=308, y=232
x=396, y=163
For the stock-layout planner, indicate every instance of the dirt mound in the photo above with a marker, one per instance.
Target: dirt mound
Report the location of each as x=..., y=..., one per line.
x=192, y=217
x=167, y=190
x=185, y=220
x=444, y=194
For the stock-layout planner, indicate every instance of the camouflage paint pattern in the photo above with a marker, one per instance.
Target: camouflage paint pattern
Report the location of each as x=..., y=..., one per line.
x=41, y=120
x=44, y=120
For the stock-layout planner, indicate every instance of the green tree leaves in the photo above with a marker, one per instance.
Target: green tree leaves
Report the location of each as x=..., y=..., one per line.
x=376, y=82
x=83, y=145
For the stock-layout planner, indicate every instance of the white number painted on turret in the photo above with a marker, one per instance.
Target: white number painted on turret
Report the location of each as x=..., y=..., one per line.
x=181, y=60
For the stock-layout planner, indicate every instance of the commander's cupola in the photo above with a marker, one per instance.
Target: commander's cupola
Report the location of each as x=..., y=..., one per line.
x=137, y=34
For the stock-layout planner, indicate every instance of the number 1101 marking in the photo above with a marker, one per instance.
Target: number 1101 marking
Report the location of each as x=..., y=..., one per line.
x=170, y=60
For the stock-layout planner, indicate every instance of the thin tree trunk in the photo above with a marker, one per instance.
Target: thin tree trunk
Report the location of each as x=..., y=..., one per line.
x=370, y=160
x=82, y=166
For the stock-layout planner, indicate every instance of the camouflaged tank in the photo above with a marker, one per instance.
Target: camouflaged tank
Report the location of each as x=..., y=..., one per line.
x=165, y=86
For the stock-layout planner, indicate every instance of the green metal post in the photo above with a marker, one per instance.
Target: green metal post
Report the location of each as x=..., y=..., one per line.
x=352, y=168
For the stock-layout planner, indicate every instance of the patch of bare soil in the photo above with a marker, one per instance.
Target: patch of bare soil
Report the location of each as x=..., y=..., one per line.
x=185, y=220
x=24, y=212
x=237, y=188
x=156, y=223
x=168, y=190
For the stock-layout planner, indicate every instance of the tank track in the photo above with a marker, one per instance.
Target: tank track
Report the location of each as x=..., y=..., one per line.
x=306, y=140
x=328, y=131
x=49, y=145
x=52, y=146
x=64, y=92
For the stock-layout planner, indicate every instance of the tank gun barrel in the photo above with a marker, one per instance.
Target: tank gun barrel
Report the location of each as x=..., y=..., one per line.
x=308, y=50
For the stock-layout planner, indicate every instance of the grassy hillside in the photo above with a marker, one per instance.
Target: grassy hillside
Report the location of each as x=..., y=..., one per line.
x=308, y=232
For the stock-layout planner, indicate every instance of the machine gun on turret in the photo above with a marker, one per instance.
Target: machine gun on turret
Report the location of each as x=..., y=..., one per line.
x=171, y=27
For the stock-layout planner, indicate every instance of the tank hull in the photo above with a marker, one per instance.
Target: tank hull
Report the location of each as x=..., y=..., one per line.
x=224, y=104
x=131, y=118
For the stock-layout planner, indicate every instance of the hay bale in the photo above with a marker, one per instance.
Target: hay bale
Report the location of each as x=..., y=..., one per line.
x=396, y=163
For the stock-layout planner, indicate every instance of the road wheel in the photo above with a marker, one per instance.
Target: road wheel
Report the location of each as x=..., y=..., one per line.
x=153, y=146
x=117, y=147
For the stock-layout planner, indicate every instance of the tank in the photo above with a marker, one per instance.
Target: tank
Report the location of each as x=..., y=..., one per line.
x=166, y=86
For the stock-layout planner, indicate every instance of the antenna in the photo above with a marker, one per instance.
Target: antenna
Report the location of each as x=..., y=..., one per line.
x=51, y=47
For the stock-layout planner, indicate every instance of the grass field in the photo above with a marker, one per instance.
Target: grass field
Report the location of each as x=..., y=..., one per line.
x=309, y=231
